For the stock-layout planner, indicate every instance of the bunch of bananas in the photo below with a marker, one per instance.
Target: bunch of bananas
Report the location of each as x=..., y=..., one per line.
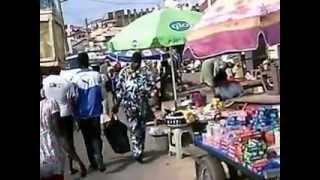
x=188, y=115
x=217, y=104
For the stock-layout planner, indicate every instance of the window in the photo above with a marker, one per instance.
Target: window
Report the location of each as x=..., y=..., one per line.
x=53, y=5
x=56, y=6
x=46, y=4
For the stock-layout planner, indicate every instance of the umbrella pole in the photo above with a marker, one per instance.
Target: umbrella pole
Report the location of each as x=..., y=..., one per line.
x=173, y=79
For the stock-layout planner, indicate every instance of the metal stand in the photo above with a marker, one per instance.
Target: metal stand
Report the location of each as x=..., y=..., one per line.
x=173, y=79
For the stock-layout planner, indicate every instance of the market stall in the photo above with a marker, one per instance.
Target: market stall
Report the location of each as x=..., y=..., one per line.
x=244, y=138
x=247, y=140
x=267, y=174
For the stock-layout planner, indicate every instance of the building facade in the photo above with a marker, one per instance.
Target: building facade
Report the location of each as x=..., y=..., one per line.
x=205, y=4
x=102, y=29
x=183, y=4
x=52, y=36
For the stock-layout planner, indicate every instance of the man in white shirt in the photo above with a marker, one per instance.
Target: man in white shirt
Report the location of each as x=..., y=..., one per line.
x=64, y=92
x=68, y=74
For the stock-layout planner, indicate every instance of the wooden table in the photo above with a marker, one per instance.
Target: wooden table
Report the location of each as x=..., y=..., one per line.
x=258, y=99
x=250, y=84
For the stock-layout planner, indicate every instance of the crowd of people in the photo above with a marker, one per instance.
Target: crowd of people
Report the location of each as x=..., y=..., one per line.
x=80, y=97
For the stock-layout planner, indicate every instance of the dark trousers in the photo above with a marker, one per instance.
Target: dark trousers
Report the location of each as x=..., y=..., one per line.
x=67, y=126
x=91, y=132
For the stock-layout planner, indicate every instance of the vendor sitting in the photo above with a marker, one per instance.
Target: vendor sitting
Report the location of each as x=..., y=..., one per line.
x=224, y=89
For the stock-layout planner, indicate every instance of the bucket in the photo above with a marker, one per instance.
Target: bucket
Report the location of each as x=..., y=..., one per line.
x=158, y=142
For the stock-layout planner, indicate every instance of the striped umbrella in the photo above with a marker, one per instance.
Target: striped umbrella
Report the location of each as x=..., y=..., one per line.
x=234, y=26
x=147, y=54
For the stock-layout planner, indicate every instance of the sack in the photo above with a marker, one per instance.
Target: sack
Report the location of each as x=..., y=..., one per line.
x=116, y=134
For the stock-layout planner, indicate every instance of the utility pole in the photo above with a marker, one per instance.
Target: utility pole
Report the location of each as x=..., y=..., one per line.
x=87, y=31
x=209, y=3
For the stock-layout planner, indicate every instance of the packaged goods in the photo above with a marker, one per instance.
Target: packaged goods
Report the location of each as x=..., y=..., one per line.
x=265, y=119
x=247, y=136
x=254, y=150
x=272, y=164
x=269, y=137
x=198, y=99
x=277, y=136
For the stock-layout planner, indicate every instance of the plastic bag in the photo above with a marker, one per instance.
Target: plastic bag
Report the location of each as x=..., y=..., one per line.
x=116, y=133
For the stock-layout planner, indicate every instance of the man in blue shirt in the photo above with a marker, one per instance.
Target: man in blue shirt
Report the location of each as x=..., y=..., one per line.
x=88, y=110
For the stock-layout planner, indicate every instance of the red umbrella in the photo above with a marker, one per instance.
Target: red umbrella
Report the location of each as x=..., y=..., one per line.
x=234, y=26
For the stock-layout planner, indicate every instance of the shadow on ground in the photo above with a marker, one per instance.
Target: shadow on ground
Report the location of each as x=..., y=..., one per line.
x=121, y=163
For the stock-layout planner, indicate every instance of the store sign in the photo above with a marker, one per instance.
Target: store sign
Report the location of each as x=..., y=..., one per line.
x=134, y=43
x=129, y=53
x=147, y=52
x=179, y=25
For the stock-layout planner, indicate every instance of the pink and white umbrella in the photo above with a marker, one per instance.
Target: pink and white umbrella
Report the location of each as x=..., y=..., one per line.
x=234, y=26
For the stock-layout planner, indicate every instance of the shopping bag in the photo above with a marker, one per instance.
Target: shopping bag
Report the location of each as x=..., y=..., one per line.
x=116, y=133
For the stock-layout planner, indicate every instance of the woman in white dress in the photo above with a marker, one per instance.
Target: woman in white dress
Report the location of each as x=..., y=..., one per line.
x=52, y=145
x=52, y=157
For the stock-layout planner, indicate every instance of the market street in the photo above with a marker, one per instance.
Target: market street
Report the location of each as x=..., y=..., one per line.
x=158, y=165
x=196, y=85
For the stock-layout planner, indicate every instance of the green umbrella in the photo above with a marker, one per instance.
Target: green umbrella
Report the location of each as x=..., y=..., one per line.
x=161, y=28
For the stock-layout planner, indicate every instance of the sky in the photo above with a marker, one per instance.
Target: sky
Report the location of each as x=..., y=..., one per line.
x=75, y=11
